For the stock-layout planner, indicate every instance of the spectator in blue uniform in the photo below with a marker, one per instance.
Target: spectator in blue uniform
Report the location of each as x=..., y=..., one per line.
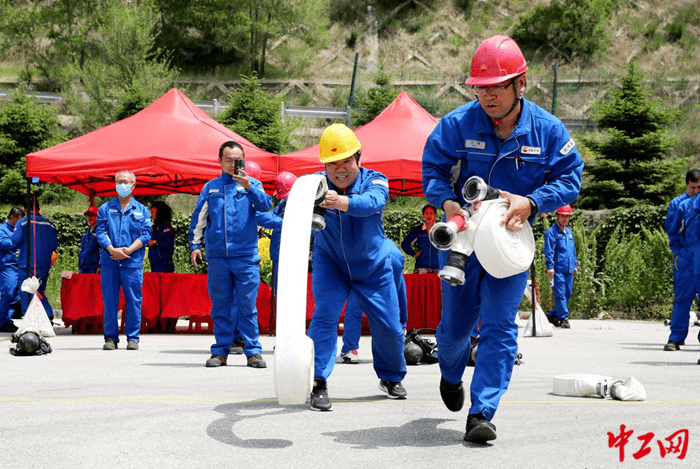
x=352, y=256
x=352, y=324
x=162, y=244
x=684, y=279
x=8, y=270
x=528, y=154
x=417, y=244
x=123, y=231
x=44, y=243
x=562, y=265
x=224, y=220
x=89, y=257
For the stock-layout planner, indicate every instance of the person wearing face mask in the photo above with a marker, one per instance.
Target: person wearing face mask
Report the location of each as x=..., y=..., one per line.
x=89, y=257
x=525, y=152
x=224, y=223
x=352, y=256
x=123, y=230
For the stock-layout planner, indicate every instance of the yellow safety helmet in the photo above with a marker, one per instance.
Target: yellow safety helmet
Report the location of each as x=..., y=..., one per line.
x=337, y=143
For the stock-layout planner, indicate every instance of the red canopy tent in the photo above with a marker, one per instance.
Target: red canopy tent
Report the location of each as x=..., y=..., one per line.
x=391, y=144
x=171, y=146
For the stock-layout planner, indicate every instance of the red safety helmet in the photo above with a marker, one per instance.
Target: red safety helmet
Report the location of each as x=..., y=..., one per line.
x=253, y=169
x=496, y=60
x=565, y=210
x=283, y=184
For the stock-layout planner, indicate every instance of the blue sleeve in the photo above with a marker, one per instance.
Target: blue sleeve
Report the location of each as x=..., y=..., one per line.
x=437, y=164
x=259, y=199
x=146, y=228
x=373, y=197
x=549, y=242
x=268, y=220
x=407, y=243
x=198, y=224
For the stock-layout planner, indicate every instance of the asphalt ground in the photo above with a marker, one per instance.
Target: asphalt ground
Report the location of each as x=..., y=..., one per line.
x=159, y=407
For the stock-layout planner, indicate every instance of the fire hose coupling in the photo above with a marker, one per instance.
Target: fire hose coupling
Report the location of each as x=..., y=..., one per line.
x=443, y=234
x=476, y=190
x=318, y=220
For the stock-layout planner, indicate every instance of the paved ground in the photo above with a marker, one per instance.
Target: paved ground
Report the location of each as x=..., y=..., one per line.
x=159, y=407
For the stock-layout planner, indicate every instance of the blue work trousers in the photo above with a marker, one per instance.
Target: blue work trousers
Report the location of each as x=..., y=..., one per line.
x=376, y=296
x=233, y=284
x=8, y=290
x=25, y=297
x=563, y=285
x=495, y=302
x=130, y=281
x=685, y=288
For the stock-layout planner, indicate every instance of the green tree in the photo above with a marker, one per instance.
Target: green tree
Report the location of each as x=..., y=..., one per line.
x=568, y=29
x=369, y=105
x=255, y=116
x=25, y=126
x=123, y=72
x=633, y=162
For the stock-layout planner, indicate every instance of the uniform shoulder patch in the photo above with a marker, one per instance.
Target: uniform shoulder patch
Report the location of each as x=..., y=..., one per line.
x=381, y=182
x=476, y=144
x=567, y=148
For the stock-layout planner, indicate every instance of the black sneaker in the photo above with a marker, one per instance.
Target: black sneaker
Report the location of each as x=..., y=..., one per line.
x=554, y=321
x=393, y=389
x=565, y=324
x=672, y=346
x=479, y=429
x=452, y=395
x=237, y=347
x=319, y=399
x=9, y=327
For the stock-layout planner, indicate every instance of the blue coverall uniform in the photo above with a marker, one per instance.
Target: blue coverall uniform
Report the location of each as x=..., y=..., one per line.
x=684, y=241
x=225, y=220
x=428, y=258
x=560, y=255
x=539, y=160
x=160, y=254
x=8, y=273
x=352, y=325
x=351, y=255
x=46, y=239
x=120, y=228
x=89, y=257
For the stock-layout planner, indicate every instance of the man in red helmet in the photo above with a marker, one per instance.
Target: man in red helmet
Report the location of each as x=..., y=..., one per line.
x=560, y=257
x=527, y=153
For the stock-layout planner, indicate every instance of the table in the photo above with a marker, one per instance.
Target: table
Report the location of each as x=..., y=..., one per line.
x=169, y=296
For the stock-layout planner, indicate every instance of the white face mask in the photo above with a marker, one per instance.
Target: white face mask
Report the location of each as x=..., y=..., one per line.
x=124, y=190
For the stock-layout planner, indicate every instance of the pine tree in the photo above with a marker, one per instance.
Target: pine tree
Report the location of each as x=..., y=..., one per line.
x=633, y=162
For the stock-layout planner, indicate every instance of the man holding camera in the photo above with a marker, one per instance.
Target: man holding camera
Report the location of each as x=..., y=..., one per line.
x=224, y=219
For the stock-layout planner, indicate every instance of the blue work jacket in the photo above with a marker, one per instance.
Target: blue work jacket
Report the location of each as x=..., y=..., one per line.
x=43, y=234
x=120, y=229
x=418, y=236
x=160, y=254
x=539, y=159
x=273, y=220
x=686, y=230
x=674, y=220
x=8, y=251
x=224, y=218
x=355, y=239
x=89, y=257
x=560, y=249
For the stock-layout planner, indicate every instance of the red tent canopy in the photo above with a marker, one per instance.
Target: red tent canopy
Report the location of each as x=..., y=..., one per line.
x=171, y=146
x=391, y=144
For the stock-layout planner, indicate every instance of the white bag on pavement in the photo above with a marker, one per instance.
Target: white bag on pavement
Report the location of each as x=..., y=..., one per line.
x=36, y=316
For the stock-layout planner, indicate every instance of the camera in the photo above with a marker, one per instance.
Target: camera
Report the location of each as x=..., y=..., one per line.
x=238, y=165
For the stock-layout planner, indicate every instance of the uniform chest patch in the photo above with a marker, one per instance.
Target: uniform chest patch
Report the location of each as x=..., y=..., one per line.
x=531, y=150
x=476, y=144
x=213, y=190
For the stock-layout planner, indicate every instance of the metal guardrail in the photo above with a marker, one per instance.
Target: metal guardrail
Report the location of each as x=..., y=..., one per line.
x=295, y=111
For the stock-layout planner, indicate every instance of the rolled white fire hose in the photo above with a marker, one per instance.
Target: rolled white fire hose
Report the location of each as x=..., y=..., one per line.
x=294, y=350
x=501, y=252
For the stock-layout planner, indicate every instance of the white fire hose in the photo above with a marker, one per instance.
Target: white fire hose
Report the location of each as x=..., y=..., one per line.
x=294, y=350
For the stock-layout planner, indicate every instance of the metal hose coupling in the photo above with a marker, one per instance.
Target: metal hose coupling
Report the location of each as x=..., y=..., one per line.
x=443, y=234
x=476, y=190
x=318, y=218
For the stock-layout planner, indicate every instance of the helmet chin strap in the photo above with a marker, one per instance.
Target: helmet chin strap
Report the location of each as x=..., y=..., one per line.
x=497, y=120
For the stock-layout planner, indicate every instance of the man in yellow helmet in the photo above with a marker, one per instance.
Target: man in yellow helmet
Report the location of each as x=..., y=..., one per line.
x=352, y=255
